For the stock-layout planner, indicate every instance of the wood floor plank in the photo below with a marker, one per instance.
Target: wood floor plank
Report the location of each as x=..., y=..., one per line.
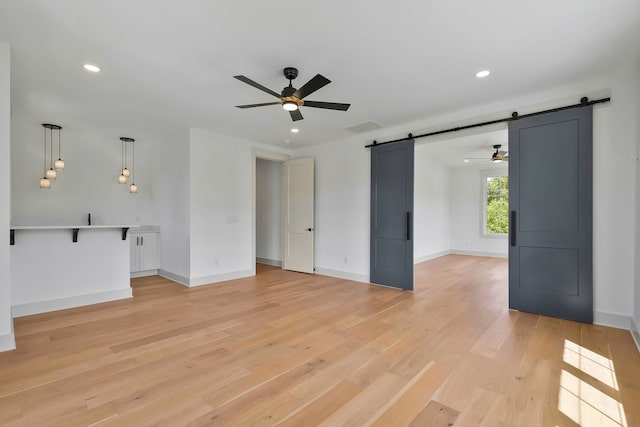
x=300, y=350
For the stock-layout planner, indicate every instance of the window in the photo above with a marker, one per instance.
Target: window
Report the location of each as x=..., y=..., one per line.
x=496, y=204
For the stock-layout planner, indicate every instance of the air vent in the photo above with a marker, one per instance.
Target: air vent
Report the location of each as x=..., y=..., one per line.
x=364, y=127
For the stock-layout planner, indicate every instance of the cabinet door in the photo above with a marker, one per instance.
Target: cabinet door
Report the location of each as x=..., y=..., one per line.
x=134, y=253
x=149, y=251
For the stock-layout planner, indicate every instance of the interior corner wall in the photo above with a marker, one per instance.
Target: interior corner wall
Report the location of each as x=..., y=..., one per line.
x=466, y=216
x=7, y=341
x=269, y=211
x=170, y=174
x=432, y=210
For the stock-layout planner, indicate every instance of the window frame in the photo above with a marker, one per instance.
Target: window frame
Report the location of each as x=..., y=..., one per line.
x=484, y=174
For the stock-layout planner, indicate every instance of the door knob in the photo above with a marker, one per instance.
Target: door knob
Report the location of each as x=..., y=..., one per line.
x=309, y=229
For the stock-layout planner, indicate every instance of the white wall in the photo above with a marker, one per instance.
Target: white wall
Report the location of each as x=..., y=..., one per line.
x=466, y=219
x=636, y=318
x=7, y=341
x=342, y=185
x=432, y=211
x=88, y=183
x=222, y=182
x=268, y=210
x=614, y=149
x=170, y=175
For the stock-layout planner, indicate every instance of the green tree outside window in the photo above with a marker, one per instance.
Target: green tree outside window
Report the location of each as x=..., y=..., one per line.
x=497, y=204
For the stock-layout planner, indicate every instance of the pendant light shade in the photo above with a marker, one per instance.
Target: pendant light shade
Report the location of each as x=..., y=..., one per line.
x=50, y=174
x=122, y=179
x=126, y=172
x=133, y=188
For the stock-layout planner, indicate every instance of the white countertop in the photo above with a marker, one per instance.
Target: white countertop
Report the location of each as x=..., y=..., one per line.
x=68, y=227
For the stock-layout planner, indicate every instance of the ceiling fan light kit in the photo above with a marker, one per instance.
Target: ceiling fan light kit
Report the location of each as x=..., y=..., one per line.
x=291, y=98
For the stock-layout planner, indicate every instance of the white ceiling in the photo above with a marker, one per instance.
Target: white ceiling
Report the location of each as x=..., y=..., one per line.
x=168, y=65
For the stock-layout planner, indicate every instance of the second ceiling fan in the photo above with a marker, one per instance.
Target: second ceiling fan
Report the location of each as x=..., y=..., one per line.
x=291, y=98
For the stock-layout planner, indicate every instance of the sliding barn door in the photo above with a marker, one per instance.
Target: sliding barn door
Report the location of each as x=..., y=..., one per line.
x=550, y=203
x=391, y=261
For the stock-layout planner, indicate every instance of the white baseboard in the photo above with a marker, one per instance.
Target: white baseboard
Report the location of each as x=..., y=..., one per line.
x=635, y=333
x=342, y=275
x=613, y=320
x=69, y=302
x=428, y=257
x=184, y=281
x=144, y=273
x=206, y=280
x=274, y=262
x=7, y=342
x=480, y=253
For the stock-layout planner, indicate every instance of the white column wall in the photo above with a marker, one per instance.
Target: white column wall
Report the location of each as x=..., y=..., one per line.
x=431, y=206
x=170, y=175
x=7, y=340
x=636, y=317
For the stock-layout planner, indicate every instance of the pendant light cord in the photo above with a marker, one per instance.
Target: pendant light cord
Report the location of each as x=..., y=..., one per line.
x=45, y=150
x=51, y=146
x=133, y=162
x=59, y=146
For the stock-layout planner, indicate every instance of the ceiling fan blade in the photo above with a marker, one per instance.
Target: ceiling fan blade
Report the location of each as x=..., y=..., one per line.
x=327, y=105
x=256, y=85
x=296, y=115
x=257, y=105
x=311, y=86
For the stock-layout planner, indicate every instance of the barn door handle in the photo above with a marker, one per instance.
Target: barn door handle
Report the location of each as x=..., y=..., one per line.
x=512, y=228
x=408, y=225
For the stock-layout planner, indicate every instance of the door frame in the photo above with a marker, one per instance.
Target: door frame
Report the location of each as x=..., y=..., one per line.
x=257, y=153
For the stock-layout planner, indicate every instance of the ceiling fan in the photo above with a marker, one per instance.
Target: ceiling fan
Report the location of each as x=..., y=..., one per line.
x=291, y=98
x=497, y=157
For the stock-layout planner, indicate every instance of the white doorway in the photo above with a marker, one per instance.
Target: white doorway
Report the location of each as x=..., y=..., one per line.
x=269, y=212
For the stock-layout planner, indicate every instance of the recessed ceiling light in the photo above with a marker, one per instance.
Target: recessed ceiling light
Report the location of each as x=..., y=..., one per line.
x=295, y=130
x=92, y=68
x=483, y=73
x=466, y=160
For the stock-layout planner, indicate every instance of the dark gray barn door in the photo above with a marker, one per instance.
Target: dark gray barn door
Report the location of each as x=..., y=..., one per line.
x=550, y=203
x=392, y=215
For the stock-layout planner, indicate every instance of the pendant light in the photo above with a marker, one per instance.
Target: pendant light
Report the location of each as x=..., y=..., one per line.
x=44, y=181
x=50, y=174
x=124, y=173
x=133, y=188
x=59, y=164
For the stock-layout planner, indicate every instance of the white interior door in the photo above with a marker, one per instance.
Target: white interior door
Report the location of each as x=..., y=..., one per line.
x=298, y=215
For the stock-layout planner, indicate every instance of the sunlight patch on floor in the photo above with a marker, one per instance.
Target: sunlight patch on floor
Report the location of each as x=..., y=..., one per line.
x=582, y=402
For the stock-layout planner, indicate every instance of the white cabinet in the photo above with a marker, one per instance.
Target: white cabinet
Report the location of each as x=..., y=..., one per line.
x=144, y=252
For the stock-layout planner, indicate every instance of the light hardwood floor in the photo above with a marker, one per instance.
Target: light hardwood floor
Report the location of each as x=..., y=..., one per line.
x=292, y=349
